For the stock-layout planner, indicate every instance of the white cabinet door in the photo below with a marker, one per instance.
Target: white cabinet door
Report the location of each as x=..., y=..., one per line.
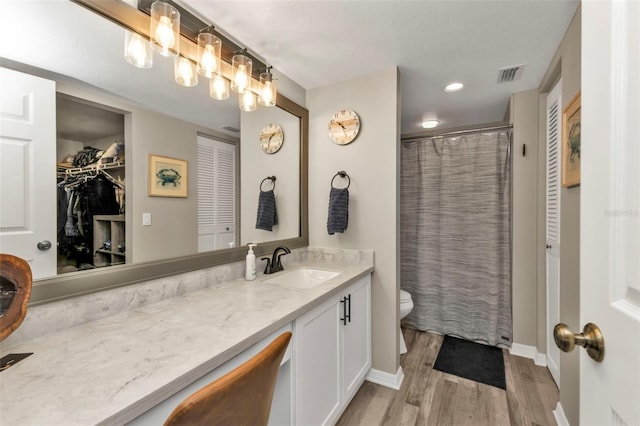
x=356, y=338
x=27, y=164
x=316, y=358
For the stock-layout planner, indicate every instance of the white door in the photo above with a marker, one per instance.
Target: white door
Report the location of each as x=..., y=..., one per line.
x=27, y=170
x=610, y=210
x=554, y=132
x=216, y=194
x=356, y=337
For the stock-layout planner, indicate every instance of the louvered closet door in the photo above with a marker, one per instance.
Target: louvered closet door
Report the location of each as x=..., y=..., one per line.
x=216, y=194
x=554, y=132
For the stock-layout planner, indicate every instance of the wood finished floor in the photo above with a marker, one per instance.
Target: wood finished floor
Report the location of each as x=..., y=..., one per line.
x=430, y=397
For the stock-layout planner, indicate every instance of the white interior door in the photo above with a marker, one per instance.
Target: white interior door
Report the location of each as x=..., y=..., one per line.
x=554, y=132
x=610, y=210
x=27, y=170
x=216, y=194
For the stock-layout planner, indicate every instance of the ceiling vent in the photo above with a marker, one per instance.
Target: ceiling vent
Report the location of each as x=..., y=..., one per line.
x=231, y=129
x=509, y=74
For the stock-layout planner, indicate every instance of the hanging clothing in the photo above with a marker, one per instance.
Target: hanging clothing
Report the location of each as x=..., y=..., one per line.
x=80, y=203
x=455, y=221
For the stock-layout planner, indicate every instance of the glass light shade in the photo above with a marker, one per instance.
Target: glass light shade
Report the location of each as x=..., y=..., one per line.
x=137, y=50
x=209, y=48
x=240, y=73
x=185, y=72
x=248, y=101
x=165, y=28
x=219, y=88
x=268, y=90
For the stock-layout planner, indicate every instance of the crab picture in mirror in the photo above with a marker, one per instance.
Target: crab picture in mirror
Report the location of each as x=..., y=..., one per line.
x=15, y=289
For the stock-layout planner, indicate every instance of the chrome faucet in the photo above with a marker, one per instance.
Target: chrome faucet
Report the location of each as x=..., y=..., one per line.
x=275, y=264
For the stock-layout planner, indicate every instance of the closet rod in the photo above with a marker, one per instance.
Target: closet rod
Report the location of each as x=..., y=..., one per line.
x=459, y=132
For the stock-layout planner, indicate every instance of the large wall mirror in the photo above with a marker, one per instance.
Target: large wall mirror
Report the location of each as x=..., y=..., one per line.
x=99, y=100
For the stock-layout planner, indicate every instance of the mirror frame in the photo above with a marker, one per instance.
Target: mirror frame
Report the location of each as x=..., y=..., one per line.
x=87, y=282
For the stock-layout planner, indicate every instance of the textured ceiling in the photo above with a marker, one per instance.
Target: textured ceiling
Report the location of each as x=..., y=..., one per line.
x=317, y=43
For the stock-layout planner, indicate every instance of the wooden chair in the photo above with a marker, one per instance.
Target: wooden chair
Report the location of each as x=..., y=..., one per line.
x=241, y=397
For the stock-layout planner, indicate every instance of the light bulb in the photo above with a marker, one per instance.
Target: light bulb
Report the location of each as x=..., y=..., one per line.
x=185, y=73
x=218, y=88
x=267, y=94
x=164, y=34
x=241, y=78
x=209, y=60
x=430, y=124
x=248, y=101
x=137, y=50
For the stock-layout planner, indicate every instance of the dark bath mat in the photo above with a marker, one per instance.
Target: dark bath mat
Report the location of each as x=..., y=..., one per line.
x=473, y=361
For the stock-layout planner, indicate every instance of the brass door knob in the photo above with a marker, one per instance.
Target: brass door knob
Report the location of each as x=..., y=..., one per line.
x=591, y=339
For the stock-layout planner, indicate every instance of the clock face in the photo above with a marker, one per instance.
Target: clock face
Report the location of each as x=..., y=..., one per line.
x=271, y=138
x=344, y=126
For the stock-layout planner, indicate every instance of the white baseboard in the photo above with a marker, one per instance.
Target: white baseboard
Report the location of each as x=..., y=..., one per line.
x=530, y=352
x=392, y=381
x=559, y=415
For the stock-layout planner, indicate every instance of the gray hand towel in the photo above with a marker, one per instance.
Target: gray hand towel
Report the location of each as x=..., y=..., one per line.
x=267, y=213
x=338, y=210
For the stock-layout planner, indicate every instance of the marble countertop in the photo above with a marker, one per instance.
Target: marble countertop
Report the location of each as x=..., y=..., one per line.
x=112, y=370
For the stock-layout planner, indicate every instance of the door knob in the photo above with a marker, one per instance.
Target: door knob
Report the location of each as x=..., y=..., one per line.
x=548, y=246
x=591, y=339
x=44, y=245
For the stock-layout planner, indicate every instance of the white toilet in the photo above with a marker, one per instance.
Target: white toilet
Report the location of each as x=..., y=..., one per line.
x=406, y=305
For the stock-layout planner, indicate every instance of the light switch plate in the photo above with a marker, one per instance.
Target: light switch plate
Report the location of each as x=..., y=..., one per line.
x=146, y=219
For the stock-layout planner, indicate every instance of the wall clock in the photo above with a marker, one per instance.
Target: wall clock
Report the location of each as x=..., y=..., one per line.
x=271, y=138
x=344, y=126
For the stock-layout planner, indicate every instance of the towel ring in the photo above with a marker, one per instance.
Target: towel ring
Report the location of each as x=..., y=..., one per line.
x=272, y=179
x=343, y=175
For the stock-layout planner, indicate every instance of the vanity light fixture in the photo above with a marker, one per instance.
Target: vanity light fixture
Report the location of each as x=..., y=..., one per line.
x=268, y=89
x=165, y=28
x=185, y=72
x=209, y=48
x=430, y=124
x=137, y=50
x=453, y=87
x=219, y=88
x=240, y=71
x=248, y=100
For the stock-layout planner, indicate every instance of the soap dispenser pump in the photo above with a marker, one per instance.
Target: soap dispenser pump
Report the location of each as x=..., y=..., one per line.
x=250, y=271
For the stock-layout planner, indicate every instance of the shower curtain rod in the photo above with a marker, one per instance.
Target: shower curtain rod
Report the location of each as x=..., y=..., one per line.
x=459, y=132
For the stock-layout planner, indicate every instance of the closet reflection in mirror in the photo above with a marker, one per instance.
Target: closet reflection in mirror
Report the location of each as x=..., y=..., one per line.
x=89, y=75
x=90, y=186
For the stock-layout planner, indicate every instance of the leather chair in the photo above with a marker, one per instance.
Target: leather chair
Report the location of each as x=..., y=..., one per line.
x=241, y=397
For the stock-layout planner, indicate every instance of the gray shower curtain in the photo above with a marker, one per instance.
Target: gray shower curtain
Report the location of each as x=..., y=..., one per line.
x=455, y=213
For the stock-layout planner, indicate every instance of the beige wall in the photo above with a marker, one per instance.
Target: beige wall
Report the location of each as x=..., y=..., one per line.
x=255, y=165
x=524, y=116
x=372, y=163
x=566, y=65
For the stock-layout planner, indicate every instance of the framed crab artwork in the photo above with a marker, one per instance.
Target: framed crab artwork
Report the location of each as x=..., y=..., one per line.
x=571, y=143
x=168, y=177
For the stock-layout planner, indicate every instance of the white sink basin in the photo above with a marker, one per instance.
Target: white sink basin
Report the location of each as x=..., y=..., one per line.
x=303, y=278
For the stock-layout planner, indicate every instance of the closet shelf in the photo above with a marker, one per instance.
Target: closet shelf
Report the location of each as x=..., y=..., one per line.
x=91, y=167
x=115, y=253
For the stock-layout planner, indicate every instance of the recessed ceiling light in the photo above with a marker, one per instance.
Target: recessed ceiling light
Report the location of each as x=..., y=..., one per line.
x=453, y=87
x=430, y=124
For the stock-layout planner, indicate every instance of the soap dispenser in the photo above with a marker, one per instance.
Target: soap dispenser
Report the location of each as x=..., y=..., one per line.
x=250, y=271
